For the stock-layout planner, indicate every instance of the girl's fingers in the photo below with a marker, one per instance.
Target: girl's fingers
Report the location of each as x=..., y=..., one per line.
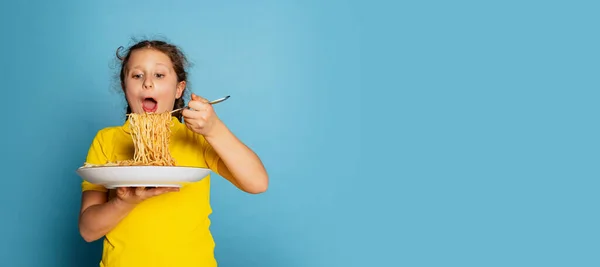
x=199, y=98
x=198, y=105
x=162, y=190
x=139, y=191
x=192, y=114
x=138, y=194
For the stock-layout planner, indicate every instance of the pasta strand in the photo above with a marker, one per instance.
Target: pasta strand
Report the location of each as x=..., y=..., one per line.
x=151, y=134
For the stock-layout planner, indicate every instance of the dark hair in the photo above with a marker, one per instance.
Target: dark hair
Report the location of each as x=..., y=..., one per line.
x=180, y=64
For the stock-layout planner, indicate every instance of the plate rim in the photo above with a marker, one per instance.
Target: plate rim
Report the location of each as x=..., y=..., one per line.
x=142, y=166
x=84, y=171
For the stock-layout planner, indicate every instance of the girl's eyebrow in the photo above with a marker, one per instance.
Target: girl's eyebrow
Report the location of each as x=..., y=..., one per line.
x=164, y=65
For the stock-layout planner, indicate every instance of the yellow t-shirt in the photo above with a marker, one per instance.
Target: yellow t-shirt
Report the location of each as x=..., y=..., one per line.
x=167, y=230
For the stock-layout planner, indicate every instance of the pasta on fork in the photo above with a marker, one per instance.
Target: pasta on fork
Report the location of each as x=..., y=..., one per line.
x=151, y=133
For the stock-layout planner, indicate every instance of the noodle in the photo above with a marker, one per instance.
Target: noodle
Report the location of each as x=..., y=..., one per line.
x=151, y=137
x=150, y=133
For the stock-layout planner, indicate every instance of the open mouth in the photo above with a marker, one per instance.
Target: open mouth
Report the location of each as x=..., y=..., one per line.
x=149, y=104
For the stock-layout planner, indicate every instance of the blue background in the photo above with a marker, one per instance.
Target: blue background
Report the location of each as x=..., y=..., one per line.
x=444, y=133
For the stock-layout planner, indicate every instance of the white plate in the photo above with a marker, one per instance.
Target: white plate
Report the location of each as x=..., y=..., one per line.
x=149, y=176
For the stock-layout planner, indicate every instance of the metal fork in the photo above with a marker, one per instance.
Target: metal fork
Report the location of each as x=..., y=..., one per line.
x=211, y=102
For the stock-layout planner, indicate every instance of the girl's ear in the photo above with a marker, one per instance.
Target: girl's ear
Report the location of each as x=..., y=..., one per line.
x=180, y=88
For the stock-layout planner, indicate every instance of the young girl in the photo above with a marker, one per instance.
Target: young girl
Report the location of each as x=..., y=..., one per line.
x=163, y=226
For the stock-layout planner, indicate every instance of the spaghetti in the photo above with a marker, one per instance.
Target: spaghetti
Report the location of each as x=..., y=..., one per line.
x=151, y=133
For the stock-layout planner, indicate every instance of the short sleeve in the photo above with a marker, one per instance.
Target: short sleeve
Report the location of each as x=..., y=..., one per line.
x=95, y=156
x=210, y=156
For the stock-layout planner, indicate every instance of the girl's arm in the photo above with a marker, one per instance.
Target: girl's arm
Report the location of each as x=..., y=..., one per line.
x=238, y=163
x=99, y=215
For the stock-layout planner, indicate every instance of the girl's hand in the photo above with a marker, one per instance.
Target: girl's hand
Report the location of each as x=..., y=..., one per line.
x=201, y=117
x=135, y=195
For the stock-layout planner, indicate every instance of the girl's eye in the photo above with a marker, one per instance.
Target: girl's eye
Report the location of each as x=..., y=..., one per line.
x=158, y=75
x=137, y=76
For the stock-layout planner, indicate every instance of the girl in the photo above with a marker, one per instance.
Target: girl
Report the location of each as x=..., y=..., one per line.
x=163, y=226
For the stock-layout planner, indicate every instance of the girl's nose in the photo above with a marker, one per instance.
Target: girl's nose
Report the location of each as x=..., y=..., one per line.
x=148, y=83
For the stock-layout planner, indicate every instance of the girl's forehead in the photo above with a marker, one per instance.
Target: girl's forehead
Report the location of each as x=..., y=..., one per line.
x=147, y=55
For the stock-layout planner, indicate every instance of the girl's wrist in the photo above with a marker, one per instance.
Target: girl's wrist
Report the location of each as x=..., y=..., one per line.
x=219, y=129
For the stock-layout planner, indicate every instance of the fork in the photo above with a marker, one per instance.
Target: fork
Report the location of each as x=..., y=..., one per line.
x=211, y=102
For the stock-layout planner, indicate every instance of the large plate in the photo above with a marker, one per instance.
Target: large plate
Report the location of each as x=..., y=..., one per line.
x=148, y=176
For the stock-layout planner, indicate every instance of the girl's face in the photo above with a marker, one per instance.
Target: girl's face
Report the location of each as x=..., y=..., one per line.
x=151, y=82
